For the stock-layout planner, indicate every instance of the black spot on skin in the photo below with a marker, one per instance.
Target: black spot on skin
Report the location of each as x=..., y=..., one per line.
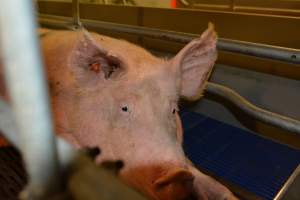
x=125, y=109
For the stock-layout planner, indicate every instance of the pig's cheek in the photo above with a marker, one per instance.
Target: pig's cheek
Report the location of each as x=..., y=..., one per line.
x=111, y=145
x=122, y=119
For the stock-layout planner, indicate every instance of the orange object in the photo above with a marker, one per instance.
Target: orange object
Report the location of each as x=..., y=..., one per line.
x=173, y=3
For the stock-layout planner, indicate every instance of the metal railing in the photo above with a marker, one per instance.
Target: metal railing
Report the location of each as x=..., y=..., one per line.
x=260, y=114
x=246, y=48
x=234, y=46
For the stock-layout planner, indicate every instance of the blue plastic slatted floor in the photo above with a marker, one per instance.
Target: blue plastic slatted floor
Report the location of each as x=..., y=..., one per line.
x=256, y=164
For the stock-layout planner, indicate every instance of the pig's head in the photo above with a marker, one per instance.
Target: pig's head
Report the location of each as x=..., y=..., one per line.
x=123, y=100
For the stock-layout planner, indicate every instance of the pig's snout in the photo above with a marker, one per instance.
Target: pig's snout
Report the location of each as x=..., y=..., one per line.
x=176, y=184
x=162, y=182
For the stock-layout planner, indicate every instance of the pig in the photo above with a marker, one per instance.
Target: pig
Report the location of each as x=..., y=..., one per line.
x=113, y=95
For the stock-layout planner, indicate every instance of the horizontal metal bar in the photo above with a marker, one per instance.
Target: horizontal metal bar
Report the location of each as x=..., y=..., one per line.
x=235, y=46
x=28, y=92
x=260, y=114
x=260, y=50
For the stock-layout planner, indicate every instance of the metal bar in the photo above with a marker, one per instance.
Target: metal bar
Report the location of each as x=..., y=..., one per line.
x=247, y=48
x=260, y=50
x=64, y=22
x=29, y=98
x=290, y=190
x=76, y=13
x=260, y=114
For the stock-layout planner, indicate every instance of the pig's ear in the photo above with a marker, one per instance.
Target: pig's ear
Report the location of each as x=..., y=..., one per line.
x=91, y=62
x=195, y=62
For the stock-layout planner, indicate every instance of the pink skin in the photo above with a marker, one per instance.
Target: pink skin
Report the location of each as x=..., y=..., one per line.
x=111, y=94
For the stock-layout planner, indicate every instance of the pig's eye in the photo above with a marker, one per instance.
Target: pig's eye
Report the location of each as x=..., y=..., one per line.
x=125, y=109
x=174, y=111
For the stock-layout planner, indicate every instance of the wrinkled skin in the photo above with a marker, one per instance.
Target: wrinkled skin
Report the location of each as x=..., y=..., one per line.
x=111, y=94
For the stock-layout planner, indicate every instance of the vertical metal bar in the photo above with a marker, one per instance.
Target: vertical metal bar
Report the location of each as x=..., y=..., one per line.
x=76, y=14
x=29, y=97
x=232, y=5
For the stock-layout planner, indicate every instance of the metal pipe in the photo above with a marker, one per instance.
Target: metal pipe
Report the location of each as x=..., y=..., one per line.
x=76, y=13
x=29, y=98
x=260, y=114
x=290, y=190
x=260, y=50
x=247, y=48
